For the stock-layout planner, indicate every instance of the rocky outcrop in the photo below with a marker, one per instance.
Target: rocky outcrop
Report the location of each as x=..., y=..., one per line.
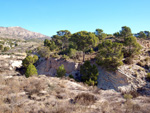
x=49, y=67
x=8, y=63
x=111, y=80
x=125, y=79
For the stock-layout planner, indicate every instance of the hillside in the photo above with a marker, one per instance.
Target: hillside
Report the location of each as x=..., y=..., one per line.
x=20, y=33
x=110, y=74
x=54, y=95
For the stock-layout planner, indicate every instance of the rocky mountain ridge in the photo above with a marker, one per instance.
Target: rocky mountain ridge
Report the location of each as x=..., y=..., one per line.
x=20, y=33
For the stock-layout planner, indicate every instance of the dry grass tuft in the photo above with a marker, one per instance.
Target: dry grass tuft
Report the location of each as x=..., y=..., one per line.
x=34, y=85
x=85, y=99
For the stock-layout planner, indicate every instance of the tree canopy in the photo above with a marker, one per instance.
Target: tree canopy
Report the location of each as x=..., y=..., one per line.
x=125, y=32
x=133, y=47
x=63, y=32
x=84, y=40
x=44, y=52
x=100, y=34
x=110, y=55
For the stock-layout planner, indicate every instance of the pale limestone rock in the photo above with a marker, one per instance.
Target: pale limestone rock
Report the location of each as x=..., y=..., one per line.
x=49, y=67
x=17, y=63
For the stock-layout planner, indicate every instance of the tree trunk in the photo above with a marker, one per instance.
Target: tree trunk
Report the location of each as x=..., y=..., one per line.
x=83, y=56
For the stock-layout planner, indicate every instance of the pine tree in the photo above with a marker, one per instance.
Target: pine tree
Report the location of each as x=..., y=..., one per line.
x=61, y=71
x=89, y=73
x=31, y=70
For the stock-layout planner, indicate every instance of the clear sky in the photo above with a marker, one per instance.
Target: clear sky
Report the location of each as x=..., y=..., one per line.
x=49, y=16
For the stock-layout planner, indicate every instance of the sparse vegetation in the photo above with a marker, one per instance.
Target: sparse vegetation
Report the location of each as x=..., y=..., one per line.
x=44, y=52
x=61, y=95
x=61, y=71
x=85, y=99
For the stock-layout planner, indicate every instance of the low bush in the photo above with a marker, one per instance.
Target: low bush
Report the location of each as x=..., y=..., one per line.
x=71, y=76
x=6, y=49
x=33, y=86
x=148, y=77
x=128, y=60
x=141, y=64
x=127, y=96
x=85, y=99
x=61, y=71
x=65, y=57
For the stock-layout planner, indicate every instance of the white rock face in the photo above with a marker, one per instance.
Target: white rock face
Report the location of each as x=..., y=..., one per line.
x=10, y=62
x=125, y=79
x=49, y=67
x=16, y=63
x=111, y=80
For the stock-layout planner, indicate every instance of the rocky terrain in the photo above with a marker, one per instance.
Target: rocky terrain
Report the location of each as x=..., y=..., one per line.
x=48, y=94
x=20, y=33
x=9, y=63
x=127, y=78
x=54, y=95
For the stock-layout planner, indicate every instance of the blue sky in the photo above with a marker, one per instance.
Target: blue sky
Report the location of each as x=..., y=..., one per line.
x=49, y=16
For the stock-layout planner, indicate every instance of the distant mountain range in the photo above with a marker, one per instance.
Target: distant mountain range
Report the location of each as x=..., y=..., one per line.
x=20, y=33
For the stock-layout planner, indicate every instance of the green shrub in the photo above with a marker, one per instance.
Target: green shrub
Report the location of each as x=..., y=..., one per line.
x=55, y=55
x=90, y=82
x=50, y=44
x=71, y=76
x=72, y=53
x=31, y=70
x=61, y=71
x=1, y=47
x=148, y=76
x=65, y=57
x=6, y=49
x=91, y=50
x=127, y=96
x=29, y=60
x=29, y=51
x=16, y=45
x=89, y=73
